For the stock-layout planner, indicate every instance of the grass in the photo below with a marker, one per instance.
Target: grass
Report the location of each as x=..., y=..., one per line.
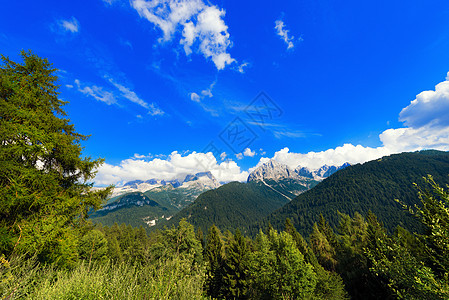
x=171, y=279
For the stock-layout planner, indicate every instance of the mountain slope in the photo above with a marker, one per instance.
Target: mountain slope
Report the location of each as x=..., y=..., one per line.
x=135, y=209
x=162, y=201
x=372, y=186
x=282, y=179
x=231, y=206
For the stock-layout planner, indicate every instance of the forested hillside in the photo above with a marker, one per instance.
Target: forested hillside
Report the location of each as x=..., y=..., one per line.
x=231, y=206
x=135, y=209
x=375, y=186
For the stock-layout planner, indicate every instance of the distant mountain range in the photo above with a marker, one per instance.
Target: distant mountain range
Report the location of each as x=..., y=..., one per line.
x=144, y=203
x=202, y=180
x=277, y=171
x=155, y=202
x=234, y=205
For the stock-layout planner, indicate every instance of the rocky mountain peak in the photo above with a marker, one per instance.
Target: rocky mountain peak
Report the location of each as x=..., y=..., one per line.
x=272, y=170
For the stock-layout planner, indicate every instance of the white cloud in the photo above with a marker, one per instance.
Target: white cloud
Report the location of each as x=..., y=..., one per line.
x=69, y=86
x=242, y=66
x=71, y=25
x=154, y=110
x=96, y=92
x=223, y=155
x=239, y=156
x=139, y=156
x=429, y=107
x=249, y=152
x=412, y=139
x=204, y=93
x=111, y=98
x=195, y=97
x=285, y=34
x=174, y=166
x=426, y=122
x=128, y=94
x=338, y=156
x=200, y=24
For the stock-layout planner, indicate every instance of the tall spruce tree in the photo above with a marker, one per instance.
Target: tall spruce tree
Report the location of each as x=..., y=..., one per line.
x=213, y=255
x=44, y=190
x=236, y=277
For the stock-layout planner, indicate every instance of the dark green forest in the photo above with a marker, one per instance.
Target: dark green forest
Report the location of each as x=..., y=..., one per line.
x=50, y=250
x=231, y=206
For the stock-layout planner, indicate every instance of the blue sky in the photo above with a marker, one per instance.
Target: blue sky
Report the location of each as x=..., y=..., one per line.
x=167, y=88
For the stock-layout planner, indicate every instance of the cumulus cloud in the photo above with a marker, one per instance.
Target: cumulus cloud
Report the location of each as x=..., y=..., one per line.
x=285, y=34
x=71, y=25
x=200, y=25
x=338, y=156
x=429, y=108
x=249, y=152
x=426, y=122
x=174, y=166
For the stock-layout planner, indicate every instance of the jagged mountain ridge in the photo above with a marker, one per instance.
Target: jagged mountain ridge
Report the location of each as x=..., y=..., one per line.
x=278, y=171
x=201, y=180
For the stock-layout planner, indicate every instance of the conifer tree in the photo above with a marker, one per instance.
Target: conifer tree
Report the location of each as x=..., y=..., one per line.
x=213, y=255
x=297, y=237
x=236, y=279
x=44, y=182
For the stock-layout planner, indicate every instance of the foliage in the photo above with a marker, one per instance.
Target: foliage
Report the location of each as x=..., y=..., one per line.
x=48, y=250
x=178, y=241
x=416, y=266
x=279, y=270
x=93, y=245
x=43, y=178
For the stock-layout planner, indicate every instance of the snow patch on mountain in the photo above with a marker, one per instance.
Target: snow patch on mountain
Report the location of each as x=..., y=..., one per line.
x=277, y=171
x=272, y=170
x=202, y=180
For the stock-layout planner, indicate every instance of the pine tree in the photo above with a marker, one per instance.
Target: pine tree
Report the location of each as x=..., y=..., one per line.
x=236, y=279
x=213, y=255
x=323, y=250
x=297, y=237
x=44, y=189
